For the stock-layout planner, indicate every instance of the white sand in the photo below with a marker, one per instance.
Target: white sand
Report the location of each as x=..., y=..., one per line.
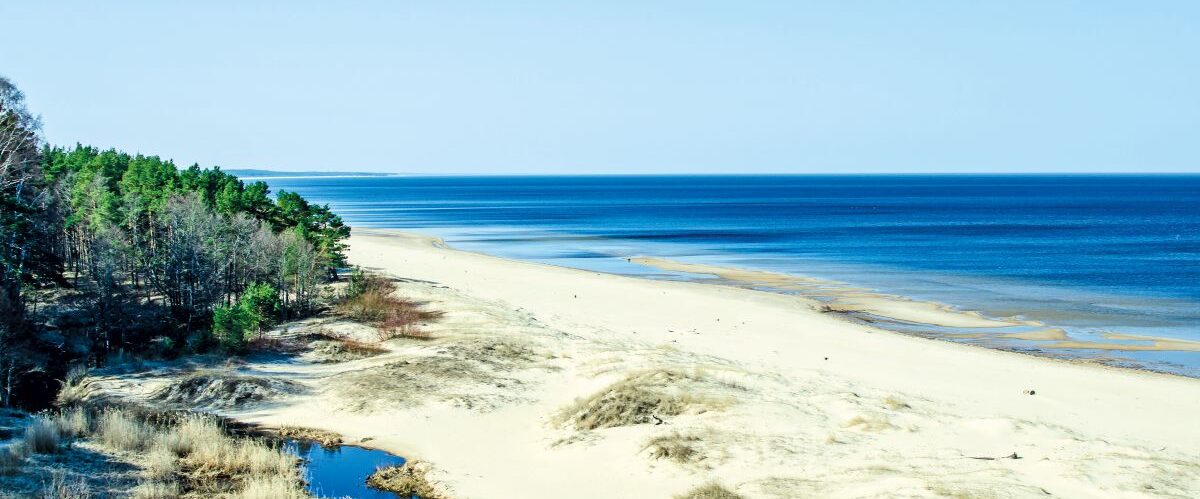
x=805, y=404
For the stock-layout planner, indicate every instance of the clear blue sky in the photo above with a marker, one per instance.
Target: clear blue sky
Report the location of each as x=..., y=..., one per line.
x=638, y=86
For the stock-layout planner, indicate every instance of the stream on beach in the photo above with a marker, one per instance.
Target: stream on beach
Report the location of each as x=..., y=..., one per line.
x=342, y=471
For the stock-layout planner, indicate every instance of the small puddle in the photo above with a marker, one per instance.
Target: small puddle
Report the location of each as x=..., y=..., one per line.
x=341, y=471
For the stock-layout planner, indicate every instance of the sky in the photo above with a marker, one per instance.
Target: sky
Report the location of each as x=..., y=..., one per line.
x=494, y=87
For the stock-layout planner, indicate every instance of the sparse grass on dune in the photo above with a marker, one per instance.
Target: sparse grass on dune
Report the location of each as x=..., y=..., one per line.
x=638, y=399
x=323, y=437
x=674, y=446
x=331, y=347
x=408, y=479
x=710, y=491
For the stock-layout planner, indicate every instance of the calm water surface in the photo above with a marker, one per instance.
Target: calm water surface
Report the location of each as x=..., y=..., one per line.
x=1091, y=253
x=341, y=471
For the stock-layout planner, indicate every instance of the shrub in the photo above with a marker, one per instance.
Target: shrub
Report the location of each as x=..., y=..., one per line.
x=256, y=310
x=229, y=328
x=260, y=304
x=369, y=299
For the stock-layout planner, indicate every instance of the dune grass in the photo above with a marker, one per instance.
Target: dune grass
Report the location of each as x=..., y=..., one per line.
x=323, y=437
x=710, y=491
x=640, y=398
x=674, y=446
x=408, y=479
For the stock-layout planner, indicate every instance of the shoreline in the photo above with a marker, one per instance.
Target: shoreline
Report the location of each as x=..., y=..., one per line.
x=923, y=318
x=774, y=398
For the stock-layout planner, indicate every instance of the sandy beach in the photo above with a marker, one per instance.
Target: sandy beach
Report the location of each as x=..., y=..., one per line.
x=774, y=396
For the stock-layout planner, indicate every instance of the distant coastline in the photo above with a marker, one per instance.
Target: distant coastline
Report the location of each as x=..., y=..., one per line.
x=257, y=173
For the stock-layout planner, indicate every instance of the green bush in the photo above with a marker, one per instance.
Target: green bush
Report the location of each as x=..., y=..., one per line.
x=256, y=310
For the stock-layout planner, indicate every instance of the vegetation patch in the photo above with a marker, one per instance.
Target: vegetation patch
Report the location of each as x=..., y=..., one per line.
x=330, y=348
x=648, y=397
x=412, y=382
x=710, y=491
x=408, y=479
x=323, y=437
x=222, y=391
x=371, y=299
x=172, y=454
x=676, y=447
x=501, y=354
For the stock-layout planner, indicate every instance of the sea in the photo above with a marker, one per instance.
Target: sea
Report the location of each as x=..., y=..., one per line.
x=1092, y=254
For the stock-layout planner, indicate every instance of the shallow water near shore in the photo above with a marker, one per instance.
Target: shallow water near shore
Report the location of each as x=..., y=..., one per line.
x=1093, y=255
x=342, y=471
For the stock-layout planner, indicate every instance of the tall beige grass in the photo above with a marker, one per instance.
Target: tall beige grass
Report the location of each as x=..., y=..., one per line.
x=268, y=487
x=190, y=452
x=41, y=436
x=117, y=430
x=156, y=490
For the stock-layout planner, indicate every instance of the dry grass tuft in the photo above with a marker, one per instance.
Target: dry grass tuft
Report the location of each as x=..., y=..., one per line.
x=60, y=487
x=710, y=491
x=323, y=437
x=638, y=399
x=117, y=430
x=331, y=347
x=268, y=487
x=12, y=456
x=41, y=436
x=156, y=490
x=895, y=403
x=674, y=446
x=408, y=479
x=160, y=461
x=869, y=423
x=73, y=422
x=75, y=388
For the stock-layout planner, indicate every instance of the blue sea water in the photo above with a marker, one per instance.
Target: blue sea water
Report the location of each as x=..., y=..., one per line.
x=1091, y=253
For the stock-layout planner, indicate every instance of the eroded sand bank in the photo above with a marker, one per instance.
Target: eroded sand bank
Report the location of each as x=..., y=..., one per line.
x=760, y=391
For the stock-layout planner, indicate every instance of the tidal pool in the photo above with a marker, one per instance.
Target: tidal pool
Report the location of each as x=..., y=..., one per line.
x=341, y=471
